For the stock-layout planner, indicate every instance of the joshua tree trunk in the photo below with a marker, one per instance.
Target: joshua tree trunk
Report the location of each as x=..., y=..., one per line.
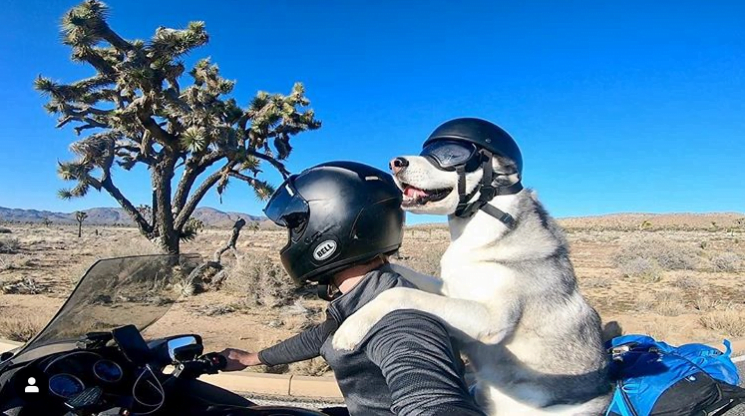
x=80, y=216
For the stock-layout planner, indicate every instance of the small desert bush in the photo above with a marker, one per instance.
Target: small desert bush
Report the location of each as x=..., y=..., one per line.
x=727, y=262
x=9, y=245
x=666, y=254
x=669, y=307
x=262, y=280
x=645, y=269
x=669, y=303
x=666, y=303
x=19, y=329
x=645, y=302
x=730, y=321
x=595, y=282
x=687, y=282
x=23, y=286
x=313, y=367
x=704, y=302
x=137, y=246
x=5, y=230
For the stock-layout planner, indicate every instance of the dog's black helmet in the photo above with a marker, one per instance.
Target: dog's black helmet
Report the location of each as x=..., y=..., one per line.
x=481, y=133
x=337, y=214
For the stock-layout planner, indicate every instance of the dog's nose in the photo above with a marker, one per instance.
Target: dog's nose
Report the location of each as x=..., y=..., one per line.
x=398, y=164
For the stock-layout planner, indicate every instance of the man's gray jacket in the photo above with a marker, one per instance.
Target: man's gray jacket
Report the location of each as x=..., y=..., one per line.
x=406, y=365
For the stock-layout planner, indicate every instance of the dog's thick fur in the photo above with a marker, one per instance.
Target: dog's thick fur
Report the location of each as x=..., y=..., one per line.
x=510, y=297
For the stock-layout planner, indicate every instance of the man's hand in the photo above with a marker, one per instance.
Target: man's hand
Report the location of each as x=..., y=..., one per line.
x=238, y=359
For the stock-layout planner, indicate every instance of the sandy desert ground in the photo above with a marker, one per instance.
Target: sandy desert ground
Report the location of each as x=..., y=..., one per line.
x=678, y=277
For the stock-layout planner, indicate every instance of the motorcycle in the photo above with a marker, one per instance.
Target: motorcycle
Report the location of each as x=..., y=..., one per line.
x=91, y=358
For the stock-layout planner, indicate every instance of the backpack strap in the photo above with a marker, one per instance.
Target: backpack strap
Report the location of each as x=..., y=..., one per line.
x=735, y=395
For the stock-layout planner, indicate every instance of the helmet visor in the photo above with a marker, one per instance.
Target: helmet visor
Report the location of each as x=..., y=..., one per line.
x=286, y=207
x=448, y=154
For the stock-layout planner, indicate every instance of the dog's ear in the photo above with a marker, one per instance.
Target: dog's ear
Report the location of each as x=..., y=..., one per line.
x=505, y=171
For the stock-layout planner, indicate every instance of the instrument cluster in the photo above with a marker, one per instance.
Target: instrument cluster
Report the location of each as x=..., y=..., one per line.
x=71, y=373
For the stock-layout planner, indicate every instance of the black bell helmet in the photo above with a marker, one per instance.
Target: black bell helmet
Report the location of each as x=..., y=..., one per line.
x=481, y=133
x=338, y=214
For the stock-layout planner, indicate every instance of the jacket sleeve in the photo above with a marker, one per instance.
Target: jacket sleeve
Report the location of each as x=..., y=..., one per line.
x=416, y=356
x=303, y=346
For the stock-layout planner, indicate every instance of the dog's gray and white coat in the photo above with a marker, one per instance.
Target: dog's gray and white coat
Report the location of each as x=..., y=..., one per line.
x=509, y=295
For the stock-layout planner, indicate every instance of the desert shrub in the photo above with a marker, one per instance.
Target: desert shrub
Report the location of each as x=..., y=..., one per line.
x=687, y=282
x=595, y=282
x=9, y=245
x=23, y=286
x=669, y=303
x=313, y=367
x=668, y=255
x=727, y=262
x=5, y=230
x=704, y=302
x=729, y=321
x=19, y=329
x=669, y=307
x=276, y=369
x=646, y=269
x=645, y=302
x=262, y=280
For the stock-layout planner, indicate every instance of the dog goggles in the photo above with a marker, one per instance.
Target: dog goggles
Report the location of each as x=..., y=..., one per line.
x=449, y=154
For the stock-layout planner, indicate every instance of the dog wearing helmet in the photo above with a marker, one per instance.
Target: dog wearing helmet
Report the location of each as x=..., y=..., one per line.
x=507, y=287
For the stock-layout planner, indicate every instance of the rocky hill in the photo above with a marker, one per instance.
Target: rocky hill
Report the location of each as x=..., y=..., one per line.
x=116, y=216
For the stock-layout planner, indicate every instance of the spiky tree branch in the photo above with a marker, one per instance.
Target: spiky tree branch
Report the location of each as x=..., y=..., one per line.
x=140, y=109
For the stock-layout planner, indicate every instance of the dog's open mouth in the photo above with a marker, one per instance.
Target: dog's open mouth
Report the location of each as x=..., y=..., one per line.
x=416, y=196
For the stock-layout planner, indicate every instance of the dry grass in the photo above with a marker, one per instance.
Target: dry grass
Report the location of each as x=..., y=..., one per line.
x=647, y=270
x=262, y=280
x=20, y=329
x=704, y=302
x=596, y=282
x=9, y=245
x=313, y=367
x=654, y=251
x=687, y=282
x=728, y=322
x=727, y=262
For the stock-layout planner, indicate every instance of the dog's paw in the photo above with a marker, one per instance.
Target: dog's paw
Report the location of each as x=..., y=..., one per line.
x=351, y=333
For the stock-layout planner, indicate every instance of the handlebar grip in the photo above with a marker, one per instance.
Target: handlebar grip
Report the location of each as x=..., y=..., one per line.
x=216, y=361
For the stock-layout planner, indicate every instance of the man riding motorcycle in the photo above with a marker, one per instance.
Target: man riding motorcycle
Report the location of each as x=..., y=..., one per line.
x=343, y=221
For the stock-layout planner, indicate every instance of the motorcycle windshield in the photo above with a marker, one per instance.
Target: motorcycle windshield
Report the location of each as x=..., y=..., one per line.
x=115, y=292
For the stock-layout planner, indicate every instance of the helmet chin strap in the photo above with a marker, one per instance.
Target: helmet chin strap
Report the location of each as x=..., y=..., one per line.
x=487, y=191
x=327, y=292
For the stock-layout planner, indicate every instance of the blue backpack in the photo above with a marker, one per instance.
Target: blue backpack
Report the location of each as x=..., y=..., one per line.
x=653, y=378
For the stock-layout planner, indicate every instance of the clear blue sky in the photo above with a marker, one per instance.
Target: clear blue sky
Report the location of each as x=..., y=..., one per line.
x=632, y=106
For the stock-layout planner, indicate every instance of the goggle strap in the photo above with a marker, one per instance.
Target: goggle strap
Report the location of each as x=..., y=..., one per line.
x=488, y=192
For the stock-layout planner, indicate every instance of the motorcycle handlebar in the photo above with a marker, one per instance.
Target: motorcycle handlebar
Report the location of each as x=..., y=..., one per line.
x=210, y=363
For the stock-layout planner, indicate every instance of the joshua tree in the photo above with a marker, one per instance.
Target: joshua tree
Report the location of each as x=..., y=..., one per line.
x=141, y=112
x=80, y=216
x=46, y=221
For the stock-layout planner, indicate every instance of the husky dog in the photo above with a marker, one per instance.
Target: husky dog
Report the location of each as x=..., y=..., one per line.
x=508, y=290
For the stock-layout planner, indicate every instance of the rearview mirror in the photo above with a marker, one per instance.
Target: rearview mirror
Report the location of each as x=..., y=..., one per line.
x=184, y=348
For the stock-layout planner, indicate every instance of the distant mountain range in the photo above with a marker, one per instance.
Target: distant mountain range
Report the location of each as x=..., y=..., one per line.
x=116, y=216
